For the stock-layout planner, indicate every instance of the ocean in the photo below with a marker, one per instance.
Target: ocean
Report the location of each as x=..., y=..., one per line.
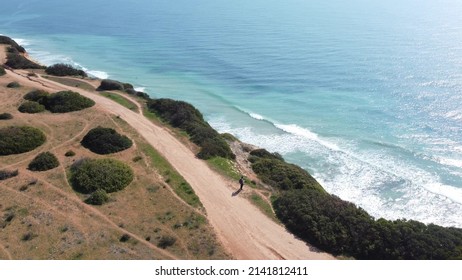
x=364, y=94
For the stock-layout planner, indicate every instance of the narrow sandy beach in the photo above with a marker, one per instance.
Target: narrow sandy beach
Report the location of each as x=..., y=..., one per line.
x=241, y=227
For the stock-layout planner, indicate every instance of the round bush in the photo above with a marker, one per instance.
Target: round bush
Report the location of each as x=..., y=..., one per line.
x=13, y=85
x=109, y=175
x=20, y=139
x=43, y=161
x=31, y=107
x=61, y=69
x=37, y=95
x=67, y=101
x=103, y=140
x=6, y=116
x=107, y=84
x=70, y=153
x=2, y=71
x=98, y=197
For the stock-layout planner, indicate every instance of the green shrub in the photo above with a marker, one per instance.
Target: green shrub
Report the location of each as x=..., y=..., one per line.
x=107, y=84
x=8, y=41
x=124, y=238
x=98, y=197
x=183, y=115
x=137, y=158
x=31, y=107
x=274, y=171
x=143, y=95
x=130, y=91
x=67, y=101
x=28, y=236
x=13, y=85
x=2, y=71
x=18, y=61
x=20, y=139
x=37, y=95
x=11, y=50
x=166, y=241
x=61, y=69
x=6, y=174
x=70, y=153
x=6, y=116
x=340, y=227
x=127, y=86
x=262, y=153
x=43, y=161
x=109, y=175
x=103, y=140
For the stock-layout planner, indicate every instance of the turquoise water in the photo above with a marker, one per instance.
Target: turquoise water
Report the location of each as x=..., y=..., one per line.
x=366, y=95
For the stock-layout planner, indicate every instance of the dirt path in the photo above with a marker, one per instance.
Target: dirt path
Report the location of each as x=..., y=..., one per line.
x=242, y=228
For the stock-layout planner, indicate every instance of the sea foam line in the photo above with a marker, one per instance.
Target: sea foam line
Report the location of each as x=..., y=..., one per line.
x=450, y=192
x=296, y=130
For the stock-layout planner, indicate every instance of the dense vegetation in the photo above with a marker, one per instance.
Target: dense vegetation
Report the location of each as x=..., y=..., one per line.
x=20, y=139
x=18, y=61
x=69, y=153
x=13, y=85
x=98, y=197
x=62, y=69
x=90, y=175
x=67, y=101
x=31, y=107
x=183, y=115
x=37, y=95
x=103, y=141
x=60, y=102
x=340, y=227
x=108, y=84
x=6, y=116
x=6, y=174
x=141, y=94
x=2, y=71
x=273, y=170
x=8, y=41
x=43, y=161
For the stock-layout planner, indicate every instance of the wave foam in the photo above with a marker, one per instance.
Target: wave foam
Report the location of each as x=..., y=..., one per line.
x=303, y=132
x=452, y=193
x=454, y=115
x=450, y=162
x=256, y=116
x=295, y=129
x=97, y=74
x=22, y=42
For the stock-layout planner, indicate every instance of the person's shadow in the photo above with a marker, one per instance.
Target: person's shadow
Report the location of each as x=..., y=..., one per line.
x=236, y=192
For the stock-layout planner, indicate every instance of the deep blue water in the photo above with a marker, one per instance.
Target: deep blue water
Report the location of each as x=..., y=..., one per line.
x=366, y=95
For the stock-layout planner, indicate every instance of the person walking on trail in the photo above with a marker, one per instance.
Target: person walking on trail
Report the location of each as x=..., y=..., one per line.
x=241, y=181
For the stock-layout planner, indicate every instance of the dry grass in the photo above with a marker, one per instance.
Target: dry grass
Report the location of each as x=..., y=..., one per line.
x=42, y=217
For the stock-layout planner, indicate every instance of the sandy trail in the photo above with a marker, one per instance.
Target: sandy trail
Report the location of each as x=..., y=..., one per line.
x=241, y=227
